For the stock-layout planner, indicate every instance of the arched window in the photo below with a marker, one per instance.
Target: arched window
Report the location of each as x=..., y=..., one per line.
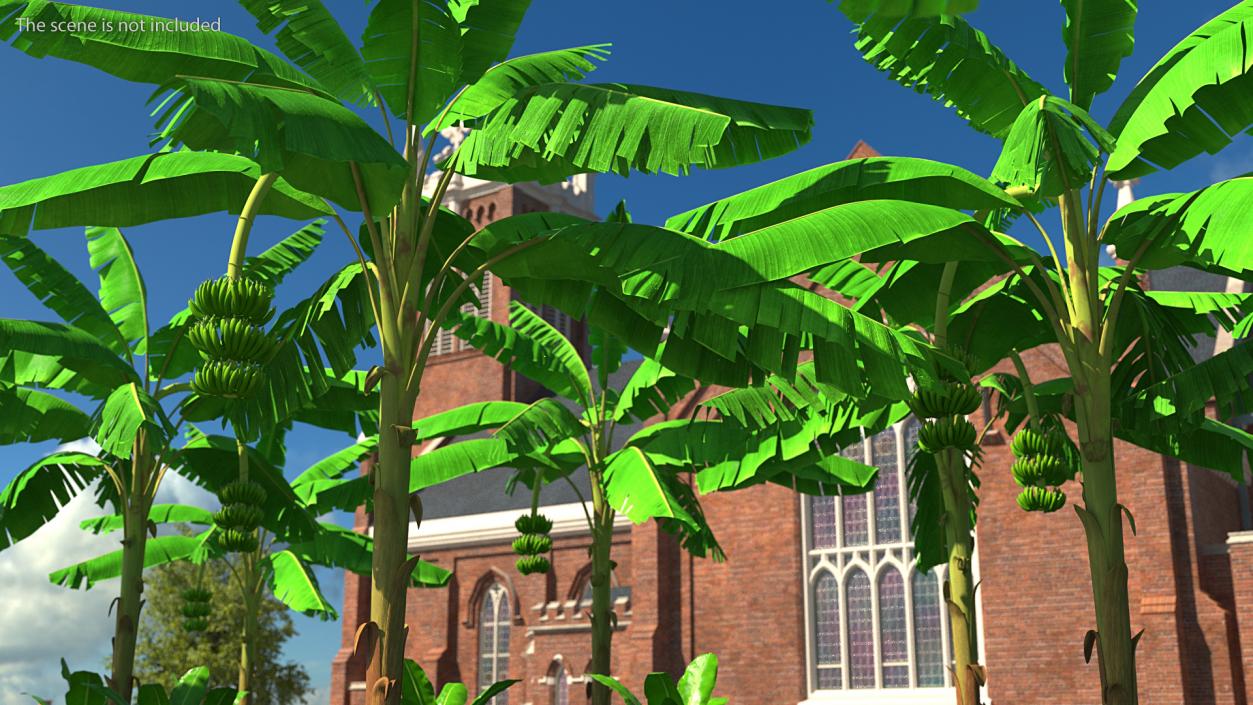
x=494, y=640
x=874, y=621
x=559, y=684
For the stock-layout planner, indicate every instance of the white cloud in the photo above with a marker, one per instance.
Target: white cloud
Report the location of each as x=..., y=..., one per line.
x=82, y=445
x=40, y=623
x=176, y=489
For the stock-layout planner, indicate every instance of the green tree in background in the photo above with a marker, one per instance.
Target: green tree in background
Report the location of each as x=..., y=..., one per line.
x=165, y=651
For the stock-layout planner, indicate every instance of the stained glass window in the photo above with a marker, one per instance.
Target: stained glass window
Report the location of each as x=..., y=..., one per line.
x=560, y=681
x=494, y=641
x=875, y=621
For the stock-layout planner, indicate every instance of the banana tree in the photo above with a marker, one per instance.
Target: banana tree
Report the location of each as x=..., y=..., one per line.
x=108, y=360
x=656, y=472
x=282, y=561
x=417, y=689
x=1053, y=151
x=193, y=688
x=426, y=65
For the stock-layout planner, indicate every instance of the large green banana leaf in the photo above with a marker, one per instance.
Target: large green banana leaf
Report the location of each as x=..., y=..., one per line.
x=858, y=10
x=488, y=29
x=307, y=139
x=75, y=350
x=60, y=291
x=1046, y=150
x=635, y=487
x=954, y=63
x=158, y=550
x=157, y=514
x=551, y=131
x=893, y=178
x=343, y=548
x=1099, y=34
x=127, y=411
x=310, y=37
x=133, y=47
x=1195, y=99
x=36, y=494
x=505, y=79
x=293, y=584
x=122, y=292
x=414, y=81
x=32, y=416
x=1206, y=229
x=145, y=189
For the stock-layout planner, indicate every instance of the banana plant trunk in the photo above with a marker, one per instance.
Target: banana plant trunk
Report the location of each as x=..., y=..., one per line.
x=1102, y=513
x=390, y=478
x=130, y=600
x=248, y=641
x=959, y=587
x=1103, y=527
x=602, y=584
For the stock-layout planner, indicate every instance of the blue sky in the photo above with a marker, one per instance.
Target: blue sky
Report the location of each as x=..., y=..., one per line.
x=60, y=115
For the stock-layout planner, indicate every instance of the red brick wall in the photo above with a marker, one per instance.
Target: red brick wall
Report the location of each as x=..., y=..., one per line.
x=1240, y=551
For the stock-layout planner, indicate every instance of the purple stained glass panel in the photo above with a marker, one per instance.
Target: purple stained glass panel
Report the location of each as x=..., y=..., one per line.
x=893, y=629
x=928, y=636
x=822, y=518
x=861, y=656
x=827, y=613
x=887, y=496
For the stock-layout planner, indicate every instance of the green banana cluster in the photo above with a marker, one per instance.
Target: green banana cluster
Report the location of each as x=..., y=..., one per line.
x=227, y=297
x=195, y=609
x=240, y=516
x=945, y=399
x=947, y=432
x=1040, y=467
x=533, y=542
x=230, y=337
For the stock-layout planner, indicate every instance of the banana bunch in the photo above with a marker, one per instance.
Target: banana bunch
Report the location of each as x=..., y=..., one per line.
x=533, y=542
x=240, y=516
x=195, y=609
x=946, y=399
x=230, y=337
x=1040, y=466
x=947, y=432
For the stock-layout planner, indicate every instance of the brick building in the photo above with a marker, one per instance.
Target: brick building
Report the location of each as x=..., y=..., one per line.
x=818, y=602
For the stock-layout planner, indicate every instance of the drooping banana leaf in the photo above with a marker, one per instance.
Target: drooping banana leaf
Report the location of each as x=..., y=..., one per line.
x=310, y=37
x=551, y=131
x=652, y=390
x=858, y=10
x=60, y=291
x=1046, y=150
x=636, y=488
x=32, y=416
x=954, y=63
x=137, y=48
x=127, y=411
x=338, y=547
x=1193, y=100
x=1099, y=34
x=36, y=494
x=145, y=189
x=293, y=584
x=1206, y=229
x=73, y=349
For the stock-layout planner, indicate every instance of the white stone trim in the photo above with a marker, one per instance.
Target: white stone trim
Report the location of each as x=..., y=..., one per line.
x=497, y=527
x=874, y=696
x=1238, y=537
x=356, y=685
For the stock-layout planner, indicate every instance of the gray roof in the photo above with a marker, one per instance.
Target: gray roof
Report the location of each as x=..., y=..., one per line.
x=483, y=492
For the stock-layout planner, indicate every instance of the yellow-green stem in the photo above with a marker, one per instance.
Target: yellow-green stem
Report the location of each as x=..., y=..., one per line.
x=239, y=244
x=1028, y=390
x=136, y=504
x=958, y=532
x=1101, y=512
